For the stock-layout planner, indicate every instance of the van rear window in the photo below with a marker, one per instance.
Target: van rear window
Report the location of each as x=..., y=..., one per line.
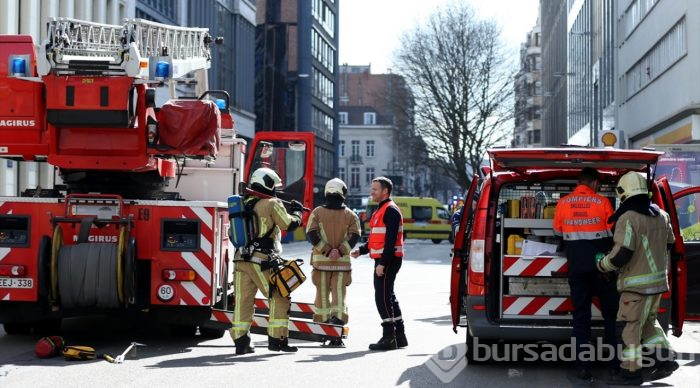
x=422, y=213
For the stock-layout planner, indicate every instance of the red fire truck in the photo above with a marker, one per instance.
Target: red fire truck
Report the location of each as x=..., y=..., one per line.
x=509, y=280
x=112, y=238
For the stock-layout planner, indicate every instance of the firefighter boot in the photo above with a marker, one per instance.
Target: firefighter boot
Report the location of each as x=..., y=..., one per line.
x=280, y=345
x=243, y=345
x=401, y=341
x=336, y=343
x=388, y=340
x=626, y=377
x=665, y=364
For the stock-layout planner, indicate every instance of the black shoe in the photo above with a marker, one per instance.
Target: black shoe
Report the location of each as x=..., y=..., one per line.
x=401, y=341
x=663, y=370
x=280, y=345
x=384, y=343
x=243, y=345
x=583, y=374
x=336, y=321
x=626, y=377
x=336, y=343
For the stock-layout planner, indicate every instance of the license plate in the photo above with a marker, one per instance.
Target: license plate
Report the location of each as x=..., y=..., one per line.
x=16, y=282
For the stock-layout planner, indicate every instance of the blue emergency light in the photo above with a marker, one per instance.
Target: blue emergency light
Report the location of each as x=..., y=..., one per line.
x=162, y=69
x=221, y=103
x=18, y=67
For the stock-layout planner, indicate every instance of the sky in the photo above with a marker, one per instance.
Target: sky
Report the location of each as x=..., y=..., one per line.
x=370, y=30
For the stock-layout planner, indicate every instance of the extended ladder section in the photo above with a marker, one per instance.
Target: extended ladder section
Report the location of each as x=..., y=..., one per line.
x=138, y=48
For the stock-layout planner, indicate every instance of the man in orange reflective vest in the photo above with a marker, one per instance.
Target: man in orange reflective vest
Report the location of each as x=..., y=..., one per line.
x=385, y=246
x=581, y=219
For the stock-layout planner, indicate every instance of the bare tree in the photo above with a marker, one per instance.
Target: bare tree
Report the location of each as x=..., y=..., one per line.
x=461, y=79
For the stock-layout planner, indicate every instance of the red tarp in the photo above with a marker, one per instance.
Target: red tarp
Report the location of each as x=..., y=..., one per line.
x=192, y=127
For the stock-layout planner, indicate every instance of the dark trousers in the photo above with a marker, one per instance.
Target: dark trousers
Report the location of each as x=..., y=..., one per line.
x=583, y=288
x=384, y=296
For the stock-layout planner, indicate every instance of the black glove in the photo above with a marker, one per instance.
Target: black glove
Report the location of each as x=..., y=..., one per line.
x=296, y=206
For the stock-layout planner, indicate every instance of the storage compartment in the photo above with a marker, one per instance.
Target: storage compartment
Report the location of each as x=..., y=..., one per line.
x=533, y=279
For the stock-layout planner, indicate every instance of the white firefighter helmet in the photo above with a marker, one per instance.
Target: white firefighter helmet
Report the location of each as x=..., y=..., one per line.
x=266, y=178
x=336, y=186
x=631, y=184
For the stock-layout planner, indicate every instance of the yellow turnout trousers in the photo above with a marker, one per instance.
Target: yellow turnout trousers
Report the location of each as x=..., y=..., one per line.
x=249, y=279
x=333, y=284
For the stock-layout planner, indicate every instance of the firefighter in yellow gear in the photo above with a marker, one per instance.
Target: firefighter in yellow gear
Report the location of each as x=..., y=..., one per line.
x=333, y=229
x=643, y=237
x=252, y=266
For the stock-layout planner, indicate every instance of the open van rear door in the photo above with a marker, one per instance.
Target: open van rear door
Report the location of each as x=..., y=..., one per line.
x=686, y=201
x=460, y=255
x=678, y=275
x=525, y=160
x=291, y=156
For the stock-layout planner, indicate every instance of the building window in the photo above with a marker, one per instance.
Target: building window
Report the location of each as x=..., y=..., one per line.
x=662, y=56
x=341, y=147
x=343, y=118
x=538, y=88
x=355, y=150
x=370, y=118
x=355, y=177
x=341, y=172
x=369, y=176
x=370, y=148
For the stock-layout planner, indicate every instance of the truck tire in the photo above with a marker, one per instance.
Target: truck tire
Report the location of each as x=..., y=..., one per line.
x=17, y=328
x=208, y=332
x=471, y=354
x=184, y=331
x=47, y=327
x=436, y=241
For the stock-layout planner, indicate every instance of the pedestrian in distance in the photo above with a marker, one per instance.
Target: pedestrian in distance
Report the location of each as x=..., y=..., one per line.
x=581, y=220
x=643, y=237
x=252, y=268
x=385, y=246
x=333, y=229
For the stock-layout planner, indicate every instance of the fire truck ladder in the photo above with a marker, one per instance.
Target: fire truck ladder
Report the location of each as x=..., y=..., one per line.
x=135, y=49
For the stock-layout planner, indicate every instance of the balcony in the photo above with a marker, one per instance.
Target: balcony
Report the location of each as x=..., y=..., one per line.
x=355, y=159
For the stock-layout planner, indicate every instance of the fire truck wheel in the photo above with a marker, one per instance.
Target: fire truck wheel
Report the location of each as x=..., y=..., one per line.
x=47, y=327
x=208, y=332
x=183, y=330
x=17, y=328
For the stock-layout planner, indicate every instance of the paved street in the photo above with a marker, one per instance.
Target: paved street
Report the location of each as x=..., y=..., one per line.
x=422, y=288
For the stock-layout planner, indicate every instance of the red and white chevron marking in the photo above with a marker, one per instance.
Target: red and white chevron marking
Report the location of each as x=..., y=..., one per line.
x=540, y=306
x=221, y=316
x=295, y=307
x=303, y=327
x=533, y=266
x=198, y=292
x=294, y=325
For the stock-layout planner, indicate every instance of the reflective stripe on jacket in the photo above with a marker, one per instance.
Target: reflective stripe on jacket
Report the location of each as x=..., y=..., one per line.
x=647, y=237
x=583, y=215
x=377, y=232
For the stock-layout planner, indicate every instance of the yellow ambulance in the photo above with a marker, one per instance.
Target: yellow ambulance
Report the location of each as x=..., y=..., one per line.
x=423, y=218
